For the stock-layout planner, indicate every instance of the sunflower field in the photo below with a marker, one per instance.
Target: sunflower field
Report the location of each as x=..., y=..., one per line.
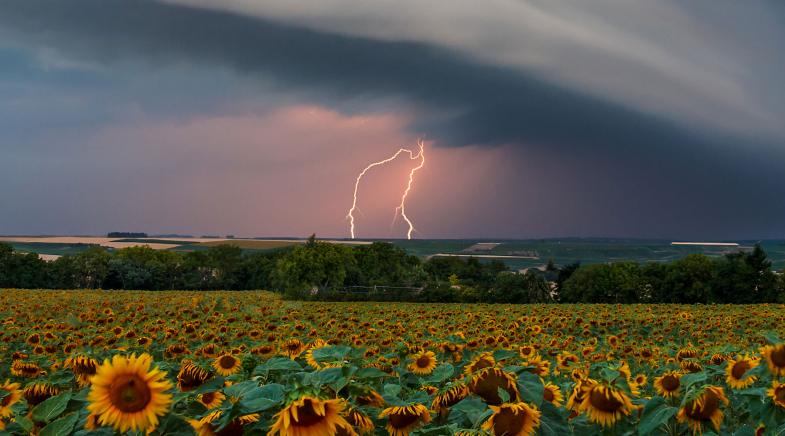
x=234, y=363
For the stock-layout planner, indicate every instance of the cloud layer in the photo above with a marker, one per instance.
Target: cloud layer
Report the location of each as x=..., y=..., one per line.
x=652, y=119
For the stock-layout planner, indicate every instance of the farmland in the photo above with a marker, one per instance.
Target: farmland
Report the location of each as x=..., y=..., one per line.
x=234, y=362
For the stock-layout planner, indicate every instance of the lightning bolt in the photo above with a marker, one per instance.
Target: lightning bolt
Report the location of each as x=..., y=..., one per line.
x=402, y=206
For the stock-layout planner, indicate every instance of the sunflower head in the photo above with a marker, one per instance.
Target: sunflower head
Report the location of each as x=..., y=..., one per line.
x=38, y=392
x=401, y=420
x=704, y=408
x=487, y=383
x=211, y=400
x=191, y=376
x=513, y=419
x=450, y=396
x=227, y=364
x=423, y=363
x=360, y=421
x=552, y=394
x=668, y=384
x=605, y=404
x=736, y=373
x=777, y=394
x=128, y=394
x=310, y=415
x=479, y=362
x=12, y=396
x=775, y=358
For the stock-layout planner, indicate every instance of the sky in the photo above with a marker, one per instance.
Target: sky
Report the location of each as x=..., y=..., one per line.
x=541, y=118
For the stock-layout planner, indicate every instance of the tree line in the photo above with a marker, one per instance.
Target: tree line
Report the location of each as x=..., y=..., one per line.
x=381, y=271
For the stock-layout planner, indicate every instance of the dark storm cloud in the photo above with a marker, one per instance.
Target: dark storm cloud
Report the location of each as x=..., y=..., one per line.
x=460, y=100
x=477, y=103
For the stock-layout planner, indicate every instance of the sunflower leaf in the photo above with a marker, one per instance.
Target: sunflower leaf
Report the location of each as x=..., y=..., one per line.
x=552, y=421
x=441, y=373
x=51, y=408
x=655, y=413
x=61, y=427
x=531, y=388
x=772, y=337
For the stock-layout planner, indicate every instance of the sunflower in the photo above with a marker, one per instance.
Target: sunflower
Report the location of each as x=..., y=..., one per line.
x=481, y=361
x=38, y=392
x=204, y=426
x=487, y=383
x=540, y=366
x=450, y=396
x=26, y=369
x=423, y=363
x=775, y=358
x=640, y=380
x=211, y=400
x=777, y=393
x=227, y=364
x=84, y=368
x=293, y=348
x=605, y=404
x=129, y=395
x=668, y=384
x=191, y=376
x=369, y=397
x=12, y=396
x=359, y=420
x=552, y=394
x=315, y=345
x=310, y=416
x=513, y=419
x=401, y=420
x=737, y=369
x=704, y=408
x=526, y=351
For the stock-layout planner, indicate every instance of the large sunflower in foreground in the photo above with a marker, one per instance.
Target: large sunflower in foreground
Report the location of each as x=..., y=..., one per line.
x=401, y=420
x=311, y=416
x=775, y=358
x=552, y=394
x=704, y=409
x=12, y=396
x=605, y=404
x=736, y=372
x=423, y=363
x=513, y=419
x=129, y=395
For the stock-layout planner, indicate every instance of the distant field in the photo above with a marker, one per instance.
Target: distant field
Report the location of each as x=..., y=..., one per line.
x=251, y=244
x=520, y=253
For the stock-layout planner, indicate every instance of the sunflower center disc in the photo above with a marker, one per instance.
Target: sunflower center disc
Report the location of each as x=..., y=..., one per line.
x=778, y=357
x=509, y=422
x=226, y=362
x=129, y=393
x=402, y=420
x=604, y=401
x=306, y=416
x=670, y=383
x=739, y=369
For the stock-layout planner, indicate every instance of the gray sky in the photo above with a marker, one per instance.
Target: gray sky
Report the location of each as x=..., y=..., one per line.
x=542, y=118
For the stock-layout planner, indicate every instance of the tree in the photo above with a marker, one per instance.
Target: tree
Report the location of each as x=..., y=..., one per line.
x=316, y=264
x=90, y=268
x=605, y=283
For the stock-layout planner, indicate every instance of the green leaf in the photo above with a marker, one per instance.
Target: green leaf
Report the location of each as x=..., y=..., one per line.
x=212, y=385
x=504, y=395
x=500, y=355
x=51, y=408
x=441, y=373
x=467, y=411
x=263, y=398
x=370, y=373
x=772, y=337
x=62, y=426
x=277, y=364
x=655, y=413
x=392, y=390
x=239, y=390
x=744, y=430
x=331, y=353
x=25, y=423
x=688, y=380
x=531, y=388
x=552, y=422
